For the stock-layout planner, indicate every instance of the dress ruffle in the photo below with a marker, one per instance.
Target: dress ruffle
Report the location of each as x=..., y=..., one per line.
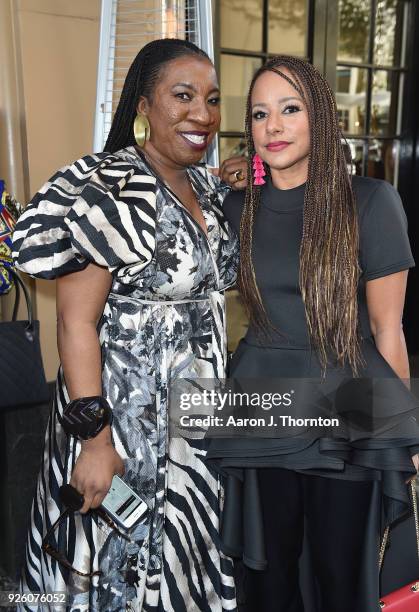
x=99, y=209
x=382, y=454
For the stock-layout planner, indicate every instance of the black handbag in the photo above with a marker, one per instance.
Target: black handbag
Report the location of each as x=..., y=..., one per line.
x=22, y=377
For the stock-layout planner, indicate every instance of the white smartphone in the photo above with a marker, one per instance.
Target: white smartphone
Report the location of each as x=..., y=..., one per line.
x=123, y=505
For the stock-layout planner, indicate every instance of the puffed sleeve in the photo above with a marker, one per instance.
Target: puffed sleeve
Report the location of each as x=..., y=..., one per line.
x=384, y=242
x=100, y=209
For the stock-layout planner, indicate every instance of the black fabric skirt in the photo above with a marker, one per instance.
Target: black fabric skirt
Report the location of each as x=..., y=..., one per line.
x=378, y=452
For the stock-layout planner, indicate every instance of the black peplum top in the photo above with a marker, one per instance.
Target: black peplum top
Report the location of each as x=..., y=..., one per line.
x=381, y=453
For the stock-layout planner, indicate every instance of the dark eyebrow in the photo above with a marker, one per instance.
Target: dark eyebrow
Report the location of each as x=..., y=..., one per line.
x=192, y=88
x=280, y=101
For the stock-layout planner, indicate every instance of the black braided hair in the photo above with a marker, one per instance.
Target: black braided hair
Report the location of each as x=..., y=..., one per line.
x=329, y=269
x=140, y=81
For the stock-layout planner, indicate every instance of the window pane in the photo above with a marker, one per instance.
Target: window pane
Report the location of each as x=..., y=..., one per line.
x=383, y=158
x=388, y=30
x=230, y=147
x=351, y=84
x=241, y=24
x=384, y=102
x=288, y=27
x=354, y=29
x=236, y=74
x=354, y=150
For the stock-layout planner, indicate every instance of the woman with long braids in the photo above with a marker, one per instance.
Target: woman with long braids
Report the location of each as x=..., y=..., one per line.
x=142, y=254
x=324, y=260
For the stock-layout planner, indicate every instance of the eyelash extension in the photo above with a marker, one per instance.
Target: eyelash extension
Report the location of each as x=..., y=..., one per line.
x=294, y=106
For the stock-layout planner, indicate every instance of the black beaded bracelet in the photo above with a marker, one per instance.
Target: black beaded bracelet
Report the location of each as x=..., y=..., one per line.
x=85, y=417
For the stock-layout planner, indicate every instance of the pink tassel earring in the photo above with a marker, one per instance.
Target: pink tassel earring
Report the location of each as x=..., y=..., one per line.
x=258, y=170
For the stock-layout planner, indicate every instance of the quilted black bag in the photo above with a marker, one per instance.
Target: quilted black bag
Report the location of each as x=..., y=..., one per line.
x=22, y=377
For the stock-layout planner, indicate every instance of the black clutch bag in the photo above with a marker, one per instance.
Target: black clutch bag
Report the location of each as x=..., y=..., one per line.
x=22, y=377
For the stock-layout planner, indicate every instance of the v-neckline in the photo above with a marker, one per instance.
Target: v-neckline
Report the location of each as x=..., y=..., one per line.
x=163, y=185
x=200, y=197
x=206, y=235
x=180, y=203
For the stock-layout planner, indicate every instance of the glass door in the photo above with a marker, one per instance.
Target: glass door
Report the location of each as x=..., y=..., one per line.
x=371, y=68
x=247, y=33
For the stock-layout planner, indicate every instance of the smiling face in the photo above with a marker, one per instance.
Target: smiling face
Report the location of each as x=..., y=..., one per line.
x=184, y=112
x=280, y=127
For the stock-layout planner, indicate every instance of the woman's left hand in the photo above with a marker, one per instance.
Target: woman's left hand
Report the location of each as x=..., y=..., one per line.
x=233, y=171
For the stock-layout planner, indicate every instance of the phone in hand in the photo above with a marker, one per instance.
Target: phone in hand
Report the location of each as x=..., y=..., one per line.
x=123, y=505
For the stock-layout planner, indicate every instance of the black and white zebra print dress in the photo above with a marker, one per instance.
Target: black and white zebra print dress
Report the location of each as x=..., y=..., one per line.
x=164, y=319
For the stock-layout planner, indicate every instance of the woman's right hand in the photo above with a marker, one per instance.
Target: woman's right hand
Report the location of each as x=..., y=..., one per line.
x=231, y=169
x=233, y=172
x=95, y=467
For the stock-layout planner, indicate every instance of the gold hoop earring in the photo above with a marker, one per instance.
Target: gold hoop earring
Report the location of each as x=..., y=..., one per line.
x=141, y=130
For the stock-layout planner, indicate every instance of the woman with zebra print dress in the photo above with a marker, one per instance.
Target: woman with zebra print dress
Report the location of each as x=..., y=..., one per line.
x=142, y=253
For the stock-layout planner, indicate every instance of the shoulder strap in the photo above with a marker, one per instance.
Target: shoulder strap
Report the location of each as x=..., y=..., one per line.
x=416, y=515
x=19, y=284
